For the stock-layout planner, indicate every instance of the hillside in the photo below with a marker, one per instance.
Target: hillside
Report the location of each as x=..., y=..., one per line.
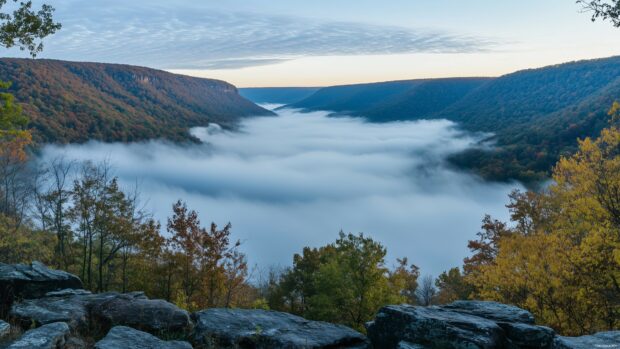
x=393, y=100
x=278, y=95
x=76, y=102
x=536, y=115
x=354, y=99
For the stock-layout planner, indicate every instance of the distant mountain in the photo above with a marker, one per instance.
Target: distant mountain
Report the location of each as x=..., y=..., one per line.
x=76, y=102
x=354, y=99
x=277, y=95
x=537, y=115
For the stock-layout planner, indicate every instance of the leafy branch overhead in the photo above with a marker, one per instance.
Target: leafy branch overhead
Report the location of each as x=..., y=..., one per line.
x=603, y=9
x=25, y=27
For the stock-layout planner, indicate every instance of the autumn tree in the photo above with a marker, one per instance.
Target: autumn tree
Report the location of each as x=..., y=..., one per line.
x=451, y=286
x=403, y=280
x=485, y=248
x=212, y=269
x=561, y=259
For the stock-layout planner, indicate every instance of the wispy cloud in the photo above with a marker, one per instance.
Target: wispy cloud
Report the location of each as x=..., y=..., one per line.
x=194, y=37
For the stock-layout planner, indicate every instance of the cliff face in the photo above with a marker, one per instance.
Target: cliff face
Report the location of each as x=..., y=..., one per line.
x=75, y=102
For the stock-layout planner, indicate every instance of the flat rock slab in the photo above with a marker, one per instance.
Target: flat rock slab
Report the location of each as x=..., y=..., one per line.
x=19, y=281
x=602, y=340
x=155, y=316
x=262, y=329
x=86, y=312
x=51, y=336
x=129, y=338
x=433, y=327
x=497, y=312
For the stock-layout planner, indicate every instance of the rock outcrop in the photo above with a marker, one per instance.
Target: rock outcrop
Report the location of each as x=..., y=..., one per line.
x=19, y=281
x=86, y=312
x=50, y=336
x=472, y=325
x=262, y=329
x=57, y=314
x=129, y=338
x=155, y=316
x=432, y=326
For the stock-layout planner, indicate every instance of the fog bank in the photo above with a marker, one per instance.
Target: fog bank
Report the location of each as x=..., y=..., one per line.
x=297, y=179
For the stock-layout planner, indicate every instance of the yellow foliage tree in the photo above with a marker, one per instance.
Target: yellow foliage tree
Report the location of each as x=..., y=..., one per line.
x=562, y=259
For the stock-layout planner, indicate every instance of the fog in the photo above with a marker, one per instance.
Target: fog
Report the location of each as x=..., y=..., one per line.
x=297, y=179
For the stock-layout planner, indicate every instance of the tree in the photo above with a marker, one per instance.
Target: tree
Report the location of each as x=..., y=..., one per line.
x=562, y=259
x=25, y=27
x=52, y=195
x=13, y=142
x=426, y=292
x=485, y=249
x=603, y=9
x=404, y=279
x=187, y=235
x=452, y=286
x=344, y=282
x=212, y=271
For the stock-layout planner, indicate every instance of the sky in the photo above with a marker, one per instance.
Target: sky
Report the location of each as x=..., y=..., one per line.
x=253, y=43
x=298, y=179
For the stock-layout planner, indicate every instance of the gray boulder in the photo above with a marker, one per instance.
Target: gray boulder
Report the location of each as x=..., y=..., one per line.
x=262, y=329
x=97, y=313
x=528, y=336
x=129, y=338
x=609, y=339
x=19, y=281
x=155, y=316
x=65, y=306
x=5, y=329
x=50, y=336
x=433, y=327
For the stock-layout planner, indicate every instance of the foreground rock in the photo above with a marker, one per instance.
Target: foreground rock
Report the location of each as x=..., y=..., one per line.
x=609, y=339
x=129, y=338
x=51, y=336
x=462, y=324
x=97, y=313
x=135, y=310
x=19, y=281
x=433, y=327
x=261, y=329
x=493, y=311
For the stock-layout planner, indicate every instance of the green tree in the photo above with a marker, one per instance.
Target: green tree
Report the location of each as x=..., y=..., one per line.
x=603, y=9
x=344, y=282
x=25, y=27
x=452, y=286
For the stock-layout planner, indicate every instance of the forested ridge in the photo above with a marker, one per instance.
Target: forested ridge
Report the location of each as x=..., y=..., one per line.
x=536, y=115
x=77, y=102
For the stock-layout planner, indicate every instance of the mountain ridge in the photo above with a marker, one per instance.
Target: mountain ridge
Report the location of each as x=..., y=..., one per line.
x=79, y=101
x=536, y=114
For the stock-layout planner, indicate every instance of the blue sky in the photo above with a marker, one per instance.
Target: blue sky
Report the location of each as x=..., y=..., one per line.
x=315, y=43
